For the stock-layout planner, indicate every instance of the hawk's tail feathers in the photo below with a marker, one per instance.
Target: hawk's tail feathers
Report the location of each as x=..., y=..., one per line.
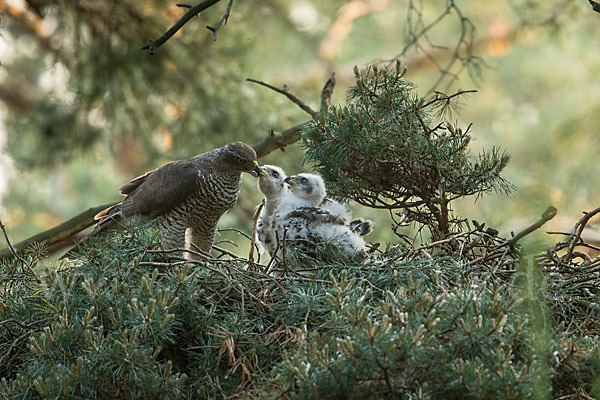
x=106, y=218
x=107, y=212
x=361, y=227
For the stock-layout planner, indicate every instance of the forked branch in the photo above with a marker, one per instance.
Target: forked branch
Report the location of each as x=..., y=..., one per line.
x=291, y=135
x=189, y=14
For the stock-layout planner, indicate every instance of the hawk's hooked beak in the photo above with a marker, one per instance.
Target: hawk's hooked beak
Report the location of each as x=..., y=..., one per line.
x=290, y=180
x=256, y=171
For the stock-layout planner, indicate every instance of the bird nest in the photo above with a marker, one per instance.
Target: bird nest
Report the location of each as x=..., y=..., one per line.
x=228, y=321
x=571, y=279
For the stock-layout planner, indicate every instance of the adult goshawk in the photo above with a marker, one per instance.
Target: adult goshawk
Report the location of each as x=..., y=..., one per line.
x=191, y=193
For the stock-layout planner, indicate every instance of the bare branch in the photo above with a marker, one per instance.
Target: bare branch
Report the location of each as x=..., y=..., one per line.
x=545, y=217
x=192, y=12
x=419, y=39
x=326, y=93
x=224, y=19
x=291, y=135
x=254, y=226
x=578, y=230
x=285, y=91
x=278, y=140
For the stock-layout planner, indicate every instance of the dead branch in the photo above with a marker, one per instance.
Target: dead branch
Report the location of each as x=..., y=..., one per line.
x=223, y=19
x=291, y=135
x=279, y=140
x=254, y=226
x=326, y=93
x=191, y=12
x=578, y=230
x=545, y=217
x=285, y=91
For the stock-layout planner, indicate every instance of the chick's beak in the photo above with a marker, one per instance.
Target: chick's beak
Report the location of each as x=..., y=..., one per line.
x=256, y=171
x=290, y=180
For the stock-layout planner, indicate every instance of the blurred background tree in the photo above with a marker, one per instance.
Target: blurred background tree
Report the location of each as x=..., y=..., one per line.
x=84, y=109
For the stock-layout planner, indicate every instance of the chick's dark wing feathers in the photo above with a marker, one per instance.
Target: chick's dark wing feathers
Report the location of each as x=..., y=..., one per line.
x=158, y=191
x=315, y=215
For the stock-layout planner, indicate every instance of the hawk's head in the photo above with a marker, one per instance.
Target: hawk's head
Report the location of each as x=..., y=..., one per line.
x=240, y=157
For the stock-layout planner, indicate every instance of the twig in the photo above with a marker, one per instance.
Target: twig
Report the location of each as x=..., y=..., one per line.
x=16, y=255
x=196, y=252
x=227, y=252
x=192, y=12
x=419, y=31
x=285, y=91
x=254, y=225
x=545, y=217
x=231, y=242
x=244, y=234
x=446, y=240
x=14, y=321
x=578, y=230
x=443, y=97
x=224, y=19
x=326, y=94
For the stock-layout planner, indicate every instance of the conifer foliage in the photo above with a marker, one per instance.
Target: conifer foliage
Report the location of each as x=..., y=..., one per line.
x=389, y=148
x=125, y=320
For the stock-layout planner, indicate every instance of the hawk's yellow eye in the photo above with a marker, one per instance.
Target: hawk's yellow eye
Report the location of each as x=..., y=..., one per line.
x=240, y=161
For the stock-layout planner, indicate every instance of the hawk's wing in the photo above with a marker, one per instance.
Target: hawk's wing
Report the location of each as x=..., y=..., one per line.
x=158, y=191
x=135, y=182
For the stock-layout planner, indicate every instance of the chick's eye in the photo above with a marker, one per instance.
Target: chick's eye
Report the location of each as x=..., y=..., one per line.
x=303, y=181
x=240, y=161
x=275, y=174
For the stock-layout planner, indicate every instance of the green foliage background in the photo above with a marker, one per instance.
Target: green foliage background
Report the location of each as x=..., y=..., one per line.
x=84, y=110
